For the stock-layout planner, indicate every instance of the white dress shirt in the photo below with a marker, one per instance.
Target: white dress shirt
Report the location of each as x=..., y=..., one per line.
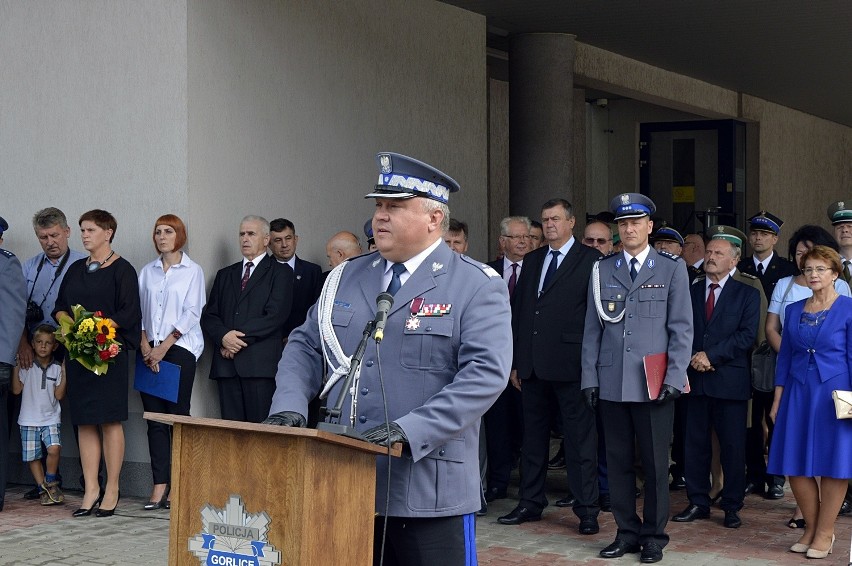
x=410, y=266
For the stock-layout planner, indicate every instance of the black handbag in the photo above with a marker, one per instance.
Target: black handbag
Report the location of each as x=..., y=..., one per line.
x=763, y=367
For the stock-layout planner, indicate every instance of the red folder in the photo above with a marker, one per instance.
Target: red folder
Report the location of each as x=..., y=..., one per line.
x=655, y=373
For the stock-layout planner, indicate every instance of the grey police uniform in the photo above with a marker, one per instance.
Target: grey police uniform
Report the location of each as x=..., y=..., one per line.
x=657, y=318
x=441, y=373
x=13, y=298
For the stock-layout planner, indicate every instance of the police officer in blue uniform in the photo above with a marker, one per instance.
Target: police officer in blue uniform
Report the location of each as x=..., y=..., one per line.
x=445, y=357
x=638, y=304
x=13, y=298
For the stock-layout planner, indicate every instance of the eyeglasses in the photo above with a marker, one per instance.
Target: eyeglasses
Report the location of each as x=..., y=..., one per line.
x=818, y=270
x=598, y=241
x=519, y=237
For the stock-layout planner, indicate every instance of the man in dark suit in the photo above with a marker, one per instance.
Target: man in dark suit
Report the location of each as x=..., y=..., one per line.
x=638, y=304
x=244, y=319
x=769, y=267
x=548, y=308
x=504, y=420
x=725, y=314
x=308, y=276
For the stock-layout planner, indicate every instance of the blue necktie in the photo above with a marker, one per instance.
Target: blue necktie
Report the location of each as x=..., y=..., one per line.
x=394, y=285
x=551, y=269
x=633, y=271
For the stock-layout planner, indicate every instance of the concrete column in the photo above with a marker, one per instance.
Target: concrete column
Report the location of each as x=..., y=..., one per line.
x=541, y=90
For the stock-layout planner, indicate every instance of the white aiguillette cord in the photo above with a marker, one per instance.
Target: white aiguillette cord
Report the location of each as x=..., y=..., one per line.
x=596, y=290
x=328, y=339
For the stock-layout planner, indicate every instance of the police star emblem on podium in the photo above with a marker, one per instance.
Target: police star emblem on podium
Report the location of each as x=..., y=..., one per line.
x=233, y=537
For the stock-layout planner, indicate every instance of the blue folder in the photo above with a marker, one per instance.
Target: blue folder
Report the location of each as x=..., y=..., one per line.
x=164, y=384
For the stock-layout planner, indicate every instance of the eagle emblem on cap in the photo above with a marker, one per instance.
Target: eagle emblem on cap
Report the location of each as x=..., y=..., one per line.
x=385, y=163
x=720, y=229
x=841, y=204
x=625, y=199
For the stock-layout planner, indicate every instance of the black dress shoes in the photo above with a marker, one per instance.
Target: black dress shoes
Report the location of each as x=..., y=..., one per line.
x=691, y=513
x=618, y=549
x=752, y=487
x=589, y=526
x=846, y=507
x=493, y=493
x=569, y=501
x=775, y=492
x=732, y=520
x=519, y=515
x=605, y=503
x=678, y=483
x=651, y=552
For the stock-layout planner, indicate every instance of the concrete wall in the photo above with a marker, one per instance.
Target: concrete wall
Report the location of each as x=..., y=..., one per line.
x=216, y=109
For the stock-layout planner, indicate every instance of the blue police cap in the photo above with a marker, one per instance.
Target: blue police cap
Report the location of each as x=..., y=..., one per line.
x=368, y=229
x=3, y=225
x=403, y=177
x=631, y=205
x=766, y=222
x=667, y=234
x=839, y=213
x=729, y=233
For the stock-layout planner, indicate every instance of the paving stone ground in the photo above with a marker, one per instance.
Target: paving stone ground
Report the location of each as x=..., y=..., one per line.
x=33, y=535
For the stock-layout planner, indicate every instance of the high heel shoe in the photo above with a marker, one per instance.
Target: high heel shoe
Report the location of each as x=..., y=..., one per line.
x=84, y=512
x=101, y=512
x=152, y=505
x=813, y=553
x=799, y=548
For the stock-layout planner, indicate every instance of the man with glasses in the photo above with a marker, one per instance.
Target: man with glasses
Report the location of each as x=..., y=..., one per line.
x=598, y=235
x=504, y=420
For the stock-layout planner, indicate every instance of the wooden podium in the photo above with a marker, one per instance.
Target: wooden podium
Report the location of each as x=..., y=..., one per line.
x=317, y=488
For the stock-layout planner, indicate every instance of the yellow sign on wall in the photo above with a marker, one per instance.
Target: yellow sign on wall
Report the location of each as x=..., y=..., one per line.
x=681, y=195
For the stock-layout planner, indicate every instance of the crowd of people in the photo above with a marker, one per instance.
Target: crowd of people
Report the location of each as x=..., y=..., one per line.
x=630, y=342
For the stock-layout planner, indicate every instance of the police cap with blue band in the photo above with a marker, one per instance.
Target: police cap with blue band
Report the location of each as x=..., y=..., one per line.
x=667, y=234
x=631, y=205
x=729, y=233
x=3, y=225
x=404, y=177
x=839, y=212
x=766, y=222
x=368, y=231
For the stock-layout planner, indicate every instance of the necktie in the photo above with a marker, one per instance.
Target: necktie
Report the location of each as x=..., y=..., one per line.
x=513, y=279
x=244, y=280
x=551, y=269
x=394, y=285
x=847, y=276
x=760, y=269
x=633, y=269
x=711, y=301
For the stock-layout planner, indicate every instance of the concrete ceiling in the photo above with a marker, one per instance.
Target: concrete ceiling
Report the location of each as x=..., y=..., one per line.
x=797, y=53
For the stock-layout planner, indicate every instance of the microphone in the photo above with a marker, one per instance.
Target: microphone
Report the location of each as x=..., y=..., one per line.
x=384, y=302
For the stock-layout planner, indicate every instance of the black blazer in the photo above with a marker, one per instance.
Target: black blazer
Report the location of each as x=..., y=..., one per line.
x=548, y=330
x=259, y=311
x=306, y=290
x=778, y=268
x=727, y=339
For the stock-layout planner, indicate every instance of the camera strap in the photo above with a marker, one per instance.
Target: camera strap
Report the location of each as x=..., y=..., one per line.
x=59, y=269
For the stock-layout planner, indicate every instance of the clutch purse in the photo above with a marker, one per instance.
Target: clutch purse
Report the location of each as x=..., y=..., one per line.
x=842, y=403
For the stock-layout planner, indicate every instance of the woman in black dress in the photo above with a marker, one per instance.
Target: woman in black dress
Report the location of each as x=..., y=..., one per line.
x=103, y=282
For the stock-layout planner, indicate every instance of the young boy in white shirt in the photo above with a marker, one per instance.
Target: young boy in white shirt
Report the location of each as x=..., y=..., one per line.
x=42, y=387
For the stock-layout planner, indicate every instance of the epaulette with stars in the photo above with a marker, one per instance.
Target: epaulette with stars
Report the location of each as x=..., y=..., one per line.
x=6, y=253
x=749, y=275
x=668, y=255
x=701, y=278
x=609, y=255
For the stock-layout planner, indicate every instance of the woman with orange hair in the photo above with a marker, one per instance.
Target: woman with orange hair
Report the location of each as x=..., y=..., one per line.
x=171, y=291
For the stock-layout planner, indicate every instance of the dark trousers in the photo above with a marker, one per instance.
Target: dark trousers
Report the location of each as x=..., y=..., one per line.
x=581, y=444
x=702, y=415
x=756, y=443
x=504, y=425
x=4, y=446
x=245, y=399
x=449, y=541
x=647, y=426
x=159, y=434
x=678, y=466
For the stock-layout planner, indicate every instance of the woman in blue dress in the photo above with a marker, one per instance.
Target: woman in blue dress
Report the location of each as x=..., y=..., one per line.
x=809, y=442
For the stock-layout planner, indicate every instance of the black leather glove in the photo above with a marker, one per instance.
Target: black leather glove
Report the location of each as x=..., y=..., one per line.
x=5, y=377
x=286, y=418
x=667, y=393
x=379, y=435
x=591, y=394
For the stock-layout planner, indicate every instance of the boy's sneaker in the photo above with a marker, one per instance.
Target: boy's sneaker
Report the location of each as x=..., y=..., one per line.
x=51, y=494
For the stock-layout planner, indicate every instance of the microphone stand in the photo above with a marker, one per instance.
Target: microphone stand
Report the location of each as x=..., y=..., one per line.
x=332, y=422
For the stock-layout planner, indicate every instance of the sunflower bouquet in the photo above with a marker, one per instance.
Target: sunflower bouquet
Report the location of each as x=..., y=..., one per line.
x=89, y=338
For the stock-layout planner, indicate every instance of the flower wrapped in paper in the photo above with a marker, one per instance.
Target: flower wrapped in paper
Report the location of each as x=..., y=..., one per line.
x=89, y=338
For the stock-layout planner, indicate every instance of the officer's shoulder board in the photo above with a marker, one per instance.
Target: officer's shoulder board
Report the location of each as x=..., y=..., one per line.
x=6, y=253
x=700, y=279
x=486, y=269
x=668, y=255
x=609, y=255
x=745, y=275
